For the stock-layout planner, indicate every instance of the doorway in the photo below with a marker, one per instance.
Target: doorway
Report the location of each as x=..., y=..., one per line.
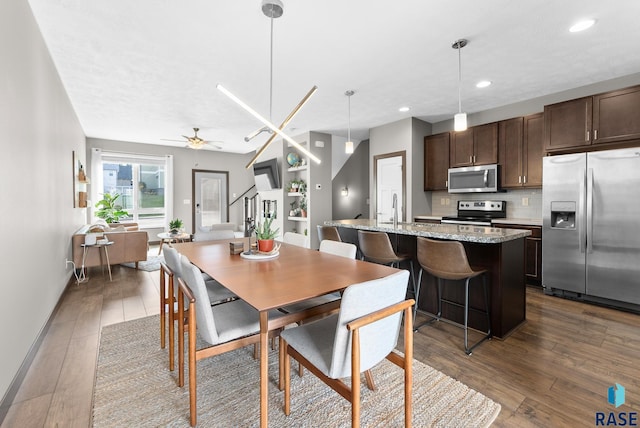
x=389, y=178
x=210, y=190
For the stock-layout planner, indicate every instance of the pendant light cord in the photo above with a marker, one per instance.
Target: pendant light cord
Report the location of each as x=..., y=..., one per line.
x=349, y=123
x=271, y=74
x=459, y=79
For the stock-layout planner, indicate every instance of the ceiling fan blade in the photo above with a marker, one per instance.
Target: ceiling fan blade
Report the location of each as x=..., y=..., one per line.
x=177, y=141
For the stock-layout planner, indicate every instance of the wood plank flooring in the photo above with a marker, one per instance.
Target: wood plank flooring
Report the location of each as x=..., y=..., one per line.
x=554, y=371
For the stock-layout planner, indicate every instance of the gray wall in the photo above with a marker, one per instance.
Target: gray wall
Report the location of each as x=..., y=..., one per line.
x=39, y=131
x=354, y=175
x=184, y=161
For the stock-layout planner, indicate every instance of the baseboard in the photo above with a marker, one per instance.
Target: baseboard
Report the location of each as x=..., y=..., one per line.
x=16, y=383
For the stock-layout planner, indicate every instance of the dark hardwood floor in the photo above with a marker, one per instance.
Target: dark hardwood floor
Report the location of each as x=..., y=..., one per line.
x=554, y=371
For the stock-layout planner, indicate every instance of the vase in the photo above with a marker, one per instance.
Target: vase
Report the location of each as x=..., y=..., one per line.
x=265, y=245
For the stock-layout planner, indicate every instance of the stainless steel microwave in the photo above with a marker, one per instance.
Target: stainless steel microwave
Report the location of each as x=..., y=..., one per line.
x=472, y=179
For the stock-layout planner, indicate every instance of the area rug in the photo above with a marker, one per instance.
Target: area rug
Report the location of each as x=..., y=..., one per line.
x=134, y=387
x=150, y=265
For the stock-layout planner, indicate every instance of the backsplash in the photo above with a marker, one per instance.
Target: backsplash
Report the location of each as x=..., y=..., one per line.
x=526, y=203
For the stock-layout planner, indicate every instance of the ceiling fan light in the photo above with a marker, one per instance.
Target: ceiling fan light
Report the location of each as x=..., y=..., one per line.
x=460, y=122
x=348, y=147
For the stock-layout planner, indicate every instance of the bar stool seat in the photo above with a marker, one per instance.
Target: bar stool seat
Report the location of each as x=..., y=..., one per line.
x=376, y=248
x=448, y=260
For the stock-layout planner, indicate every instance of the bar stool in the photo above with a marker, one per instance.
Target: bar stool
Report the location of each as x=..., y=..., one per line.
x=448, y=260
x=328, y=233
x=376, y=247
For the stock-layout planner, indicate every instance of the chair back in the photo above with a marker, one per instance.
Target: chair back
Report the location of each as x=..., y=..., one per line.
x=443, y=259
x=214, y=235
x=343, y=249
x=205, y=322
x=378, y=339
x=296, y=239
x=329, y=233
x=172, y=259
x=376, y=246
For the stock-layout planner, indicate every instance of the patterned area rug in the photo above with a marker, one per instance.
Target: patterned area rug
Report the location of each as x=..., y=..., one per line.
x=135, y=388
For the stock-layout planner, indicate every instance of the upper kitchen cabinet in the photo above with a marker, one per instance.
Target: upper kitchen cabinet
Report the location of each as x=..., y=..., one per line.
x=520, y=151
x=436, y=161
x=612, y=117
x=475, y=146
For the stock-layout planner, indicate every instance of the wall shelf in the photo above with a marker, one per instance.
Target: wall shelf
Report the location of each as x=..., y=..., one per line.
x=297, y=218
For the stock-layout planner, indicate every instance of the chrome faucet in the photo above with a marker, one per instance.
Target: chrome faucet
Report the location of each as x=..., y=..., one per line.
x=394, y=205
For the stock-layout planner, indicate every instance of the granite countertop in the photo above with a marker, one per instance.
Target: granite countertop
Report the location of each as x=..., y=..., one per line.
x=455, y=232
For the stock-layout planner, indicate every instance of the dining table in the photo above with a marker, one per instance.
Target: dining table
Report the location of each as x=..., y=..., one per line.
x=293, y=274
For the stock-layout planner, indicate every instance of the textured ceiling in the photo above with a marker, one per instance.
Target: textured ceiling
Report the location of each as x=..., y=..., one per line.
x=146, y=70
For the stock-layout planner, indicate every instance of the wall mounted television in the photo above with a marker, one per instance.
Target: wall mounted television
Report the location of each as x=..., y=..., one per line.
x=267, y=175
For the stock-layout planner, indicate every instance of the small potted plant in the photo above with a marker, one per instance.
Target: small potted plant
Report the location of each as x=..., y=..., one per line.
x=303, y=206
x=175, y=226
x=265, y=235
x=109, y=210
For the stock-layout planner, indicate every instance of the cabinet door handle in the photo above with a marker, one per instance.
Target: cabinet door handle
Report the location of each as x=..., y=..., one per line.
x=446, y=184
x=470, y=159
x=588, y=135
x=474, y=158
x=524, y=179
x=519, y=179
x=595, y=134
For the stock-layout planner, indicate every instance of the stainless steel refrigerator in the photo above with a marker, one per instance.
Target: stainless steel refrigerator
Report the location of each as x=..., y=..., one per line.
x=591, y=226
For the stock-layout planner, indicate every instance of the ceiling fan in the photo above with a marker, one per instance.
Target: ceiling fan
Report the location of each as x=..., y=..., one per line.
x=196, y=142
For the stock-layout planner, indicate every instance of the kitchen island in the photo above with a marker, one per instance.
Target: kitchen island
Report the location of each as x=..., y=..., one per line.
x=499, y=250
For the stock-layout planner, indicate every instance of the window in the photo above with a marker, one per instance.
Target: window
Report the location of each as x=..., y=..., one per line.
x=143, y=183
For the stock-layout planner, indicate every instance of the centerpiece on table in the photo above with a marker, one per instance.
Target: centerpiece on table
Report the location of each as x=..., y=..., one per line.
x=175, y=226
x=265, y=235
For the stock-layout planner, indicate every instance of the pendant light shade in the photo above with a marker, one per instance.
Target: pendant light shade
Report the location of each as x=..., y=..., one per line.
x=460, y=119
x=348, y=146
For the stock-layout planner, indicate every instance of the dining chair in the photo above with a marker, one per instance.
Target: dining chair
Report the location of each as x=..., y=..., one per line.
x=296, y=239
x=328, y=232
x=448, y=260
x=361, y=335
x=376, y=247
x=224, y=328
x=213, y=235
x=170, y=271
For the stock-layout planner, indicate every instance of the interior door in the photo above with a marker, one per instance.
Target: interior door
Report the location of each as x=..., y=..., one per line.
x=390, y=180
x=210, y=199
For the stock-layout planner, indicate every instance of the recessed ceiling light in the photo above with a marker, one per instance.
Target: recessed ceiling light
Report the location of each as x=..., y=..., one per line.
x=483, y=84
x=404, y=109
x=582, y=25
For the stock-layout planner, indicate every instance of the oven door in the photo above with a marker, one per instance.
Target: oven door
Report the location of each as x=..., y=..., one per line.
x=473, y=179
x=466, y=220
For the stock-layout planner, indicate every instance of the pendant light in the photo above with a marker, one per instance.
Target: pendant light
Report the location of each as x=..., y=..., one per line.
x=348, y=146
x=460, y=119
x=272, y=9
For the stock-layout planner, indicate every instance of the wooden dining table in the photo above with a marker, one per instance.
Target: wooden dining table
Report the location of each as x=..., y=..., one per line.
x=295, y=275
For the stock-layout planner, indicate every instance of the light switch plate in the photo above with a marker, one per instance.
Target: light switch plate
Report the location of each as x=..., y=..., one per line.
x=186, y=201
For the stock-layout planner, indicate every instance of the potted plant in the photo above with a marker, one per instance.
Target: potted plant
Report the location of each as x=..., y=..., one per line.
x=265, y=235
x=109, y=210
x=175, y=226
x=303, y=206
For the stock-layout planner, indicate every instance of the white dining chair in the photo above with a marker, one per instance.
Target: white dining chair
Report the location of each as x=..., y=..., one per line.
x=224, y=328
x=343, y=249
x=359, y=337
x=296, y=239
x=213, y=235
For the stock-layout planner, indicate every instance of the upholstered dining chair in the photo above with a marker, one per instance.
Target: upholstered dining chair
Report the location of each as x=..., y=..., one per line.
x=224, y=328
x=376, y=247
x=170, y=271
x=329, y=233
x=296, y=239
x=448, y=260
x=360, y=336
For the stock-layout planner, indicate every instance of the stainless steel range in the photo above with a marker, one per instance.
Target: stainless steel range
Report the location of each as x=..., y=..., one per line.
x=478, y=213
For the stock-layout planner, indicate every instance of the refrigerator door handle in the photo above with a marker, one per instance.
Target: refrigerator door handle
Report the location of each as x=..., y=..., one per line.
x=581, y=211
x=590, y=210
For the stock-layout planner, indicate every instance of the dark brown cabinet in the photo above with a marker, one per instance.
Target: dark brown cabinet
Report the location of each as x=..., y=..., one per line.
x=436, y=161
x=532, y=253
x=520, y=151
x=475, y=146
x=612, y=117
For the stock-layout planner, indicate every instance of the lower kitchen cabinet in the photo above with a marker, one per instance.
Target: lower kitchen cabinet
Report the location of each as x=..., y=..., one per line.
x=532, y=253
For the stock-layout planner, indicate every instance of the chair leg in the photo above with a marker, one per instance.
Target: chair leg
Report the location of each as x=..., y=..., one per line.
x=468, y=349
x=171, y=308
x=369, y=377
x=466, y=316
x=287, y=378
x=163, y=303
x=438, y=316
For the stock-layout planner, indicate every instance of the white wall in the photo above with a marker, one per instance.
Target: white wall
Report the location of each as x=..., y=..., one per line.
x=39, y=131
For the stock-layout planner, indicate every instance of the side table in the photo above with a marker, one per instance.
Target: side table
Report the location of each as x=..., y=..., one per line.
x=99, y=245
x=168, y=238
